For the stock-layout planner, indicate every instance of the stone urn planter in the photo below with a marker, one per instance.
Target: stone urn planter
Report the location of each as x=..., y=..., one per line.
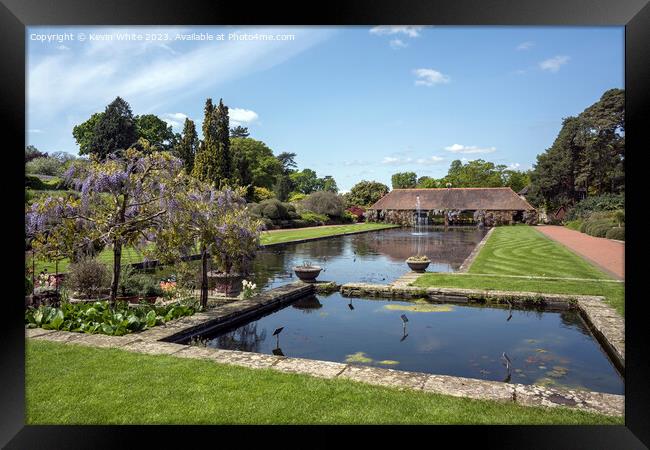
x=307, y=274
x=418, y=264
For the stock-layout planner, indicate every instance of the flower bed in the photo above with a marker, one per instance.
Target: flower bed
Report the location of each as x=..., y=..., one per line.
x=100, y=317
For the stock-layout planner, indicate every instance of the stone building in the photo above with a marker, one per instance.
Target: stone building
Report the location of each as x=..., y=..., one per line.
x=487, y=206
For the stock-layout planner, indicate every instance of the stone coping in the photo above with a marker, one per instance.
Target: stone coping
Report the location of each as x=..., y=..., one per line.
x=526, y=395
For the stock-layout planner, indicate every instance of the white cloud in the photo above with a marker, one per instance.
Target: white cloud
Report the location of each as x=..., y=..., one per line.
x=514, y=166
x=429, y=77
x=62, y=47
x=239, y=116
x=525, y=45
x=34, y=130
x=431, y=160
x=410, y=31
x=176, y=120
x=553, y=64
x=397, y=44
x=458, y=148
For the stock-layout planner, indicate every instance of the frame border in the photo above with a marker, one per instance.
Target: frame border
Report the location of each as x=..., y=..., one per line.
x=16, y=15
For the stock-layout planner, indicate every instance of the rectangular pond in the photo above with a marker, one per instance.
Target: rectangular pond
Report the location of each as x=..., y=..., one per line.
x=374, y=257
x=543, y=347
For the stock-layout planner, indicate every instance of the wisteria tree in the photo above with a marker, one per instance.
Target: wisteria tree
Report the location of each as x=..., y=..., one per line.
x=124, y=201
x=214, y=222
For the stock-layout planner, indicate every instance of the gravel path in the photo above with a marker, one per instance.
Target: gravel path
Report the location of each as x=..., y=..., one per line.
x=607, y=254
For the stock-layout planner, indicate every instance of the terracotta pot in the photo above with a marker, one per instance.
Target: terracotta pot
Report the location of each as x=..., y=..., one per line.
x=418, y=266
x=307, y=274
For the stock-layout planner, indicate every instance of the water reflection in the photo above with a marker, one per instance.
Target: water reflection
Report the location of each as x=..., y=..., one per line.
x=543, y=347
x=377, y=257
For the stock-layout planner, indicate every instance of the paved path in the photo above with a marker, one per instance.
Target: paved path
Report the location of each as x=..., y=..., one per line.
x=607, y=254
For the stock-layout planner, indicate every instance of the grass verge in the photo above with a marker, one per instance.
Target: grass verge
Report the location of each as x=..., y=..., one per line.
x=70, y=384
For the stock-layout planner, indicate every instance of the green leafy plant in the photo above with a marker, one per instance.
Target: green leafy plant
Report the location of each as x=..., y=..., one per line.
x=99, y=317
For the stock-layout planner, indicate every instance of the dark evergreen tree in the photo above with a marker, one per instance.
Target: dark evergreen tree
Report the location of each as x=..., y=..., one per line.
x=115, y=131
x=239, y=131
x=187, y=145
x=224, y=159
x=283, y=187
x=204, y=164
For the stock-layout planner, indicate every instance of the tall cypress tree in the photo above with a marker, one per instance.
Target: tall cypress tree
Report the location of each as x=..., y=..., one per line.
x=224, y=159
x=206, y=155
x=213, y=162
x=115, y=131
x=187, y=146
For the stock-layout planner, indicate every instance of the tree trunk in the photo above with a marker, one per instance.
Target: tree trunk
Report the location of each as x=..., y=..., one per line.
x=204, y=277
x=117, y=267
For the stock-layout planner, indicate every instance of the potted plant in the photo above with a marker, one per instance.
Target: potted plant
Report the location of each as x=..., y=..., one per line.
x=306, y=272
x=418, y=263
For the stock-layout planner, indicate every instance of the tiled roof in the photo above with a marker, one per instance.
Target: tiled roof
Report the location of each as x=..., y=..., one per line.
x=453, y=198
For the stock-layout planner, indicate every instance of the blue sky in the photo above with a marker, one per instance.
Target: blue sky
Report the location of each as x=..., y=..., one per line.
x=352, y=102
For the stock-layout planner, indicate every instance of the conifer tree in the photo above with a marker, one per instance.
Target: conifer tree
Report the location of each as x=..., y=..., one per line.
x=187, y=146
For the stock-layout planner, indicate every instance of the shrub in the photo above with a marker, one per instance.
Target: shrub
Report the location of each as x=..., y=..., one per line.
x=89, y=277
x=33, y=182
x=324, y=202
x=574, y=224
x=605, y=202
x=357, y=211
x=261, y=194
x=29, y=286
x=147, y=286
x=348, y=217
x=313, y=218
x=617, y=233
x=296, y=197
x=45, y=166
x=599, y=227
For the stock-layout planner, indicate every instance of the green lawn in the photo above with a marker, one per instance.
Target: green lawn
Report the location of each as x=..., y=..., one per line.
x=277, y=237
x=131, y=255
x=524, y=251
x=69, y=384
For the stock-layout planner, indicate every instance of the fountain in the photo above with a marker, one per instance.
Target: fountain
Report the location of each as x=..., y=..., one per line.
x=417, y=223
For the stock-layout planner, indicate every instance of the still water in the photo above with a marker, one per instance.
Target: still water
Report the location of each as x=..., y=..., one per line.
x=375, y=257
x=548, y=348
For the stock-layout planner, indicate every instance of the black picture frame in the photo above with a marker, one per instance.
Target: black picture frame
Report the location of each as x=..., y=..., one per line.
x=15, y=15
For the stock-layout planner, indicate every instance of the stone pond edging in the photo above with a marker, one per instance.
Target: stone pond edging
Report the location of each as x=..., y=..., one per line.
x=157, y=340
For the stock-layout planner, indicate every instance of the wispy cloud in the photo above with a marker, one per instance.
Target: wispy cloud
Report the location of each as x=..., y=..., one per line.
x=396, y=160
x=410, y=31
x=430, y=77
x=397, y=44
x=102, y=70
x=554, y=64
x=525, y=45
x=431, y=160
x=34, y=130
x=458, y=148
